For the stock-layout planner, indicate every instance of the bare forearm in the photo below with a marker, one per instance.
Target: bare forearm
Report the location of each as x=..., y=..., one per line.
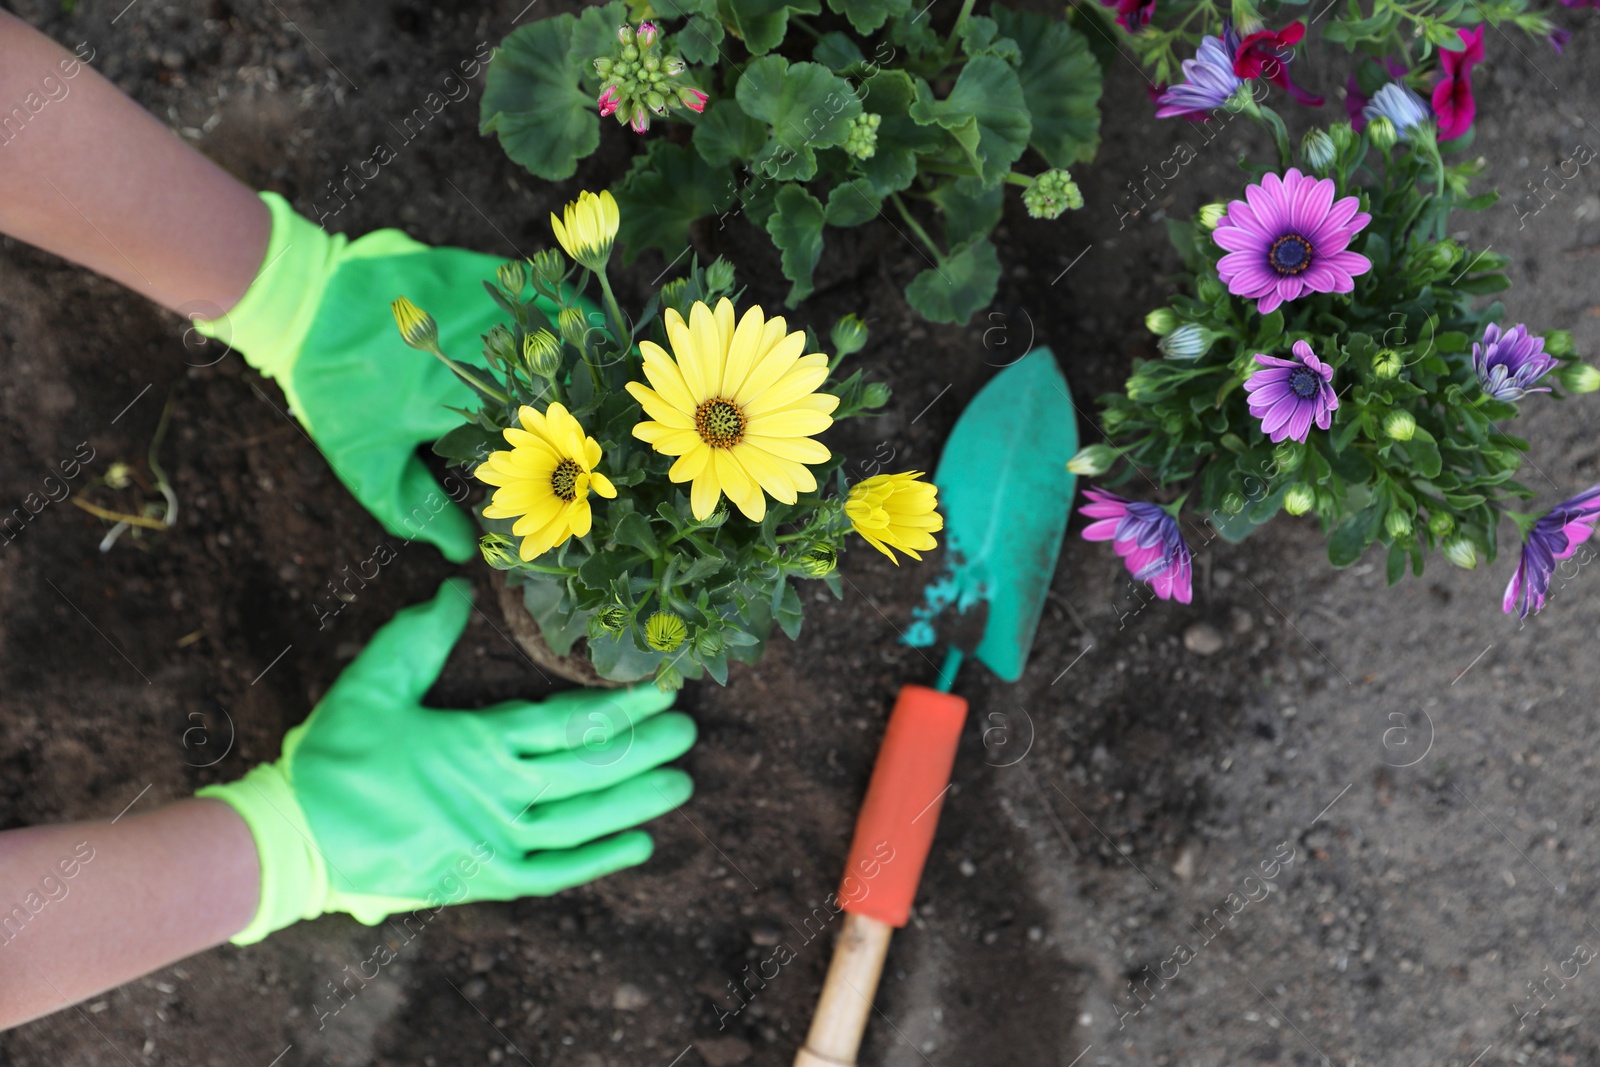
x=87, y=174
x=85, y=907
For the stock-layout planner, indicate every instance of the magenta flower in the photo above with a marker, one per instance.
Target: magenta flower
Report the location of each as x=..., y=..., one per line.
x=693, y=99
x=646, y=35
x=1559, y=38
x=1266, y=54
x=1209, y=80
x=1507, y=364
x=1557, y=535
x=1288, y=395
x=608, y=101
x=1147, y=539
x=1290, y=239
x=641, y=119
x=1452, y=97
x=1132, y=15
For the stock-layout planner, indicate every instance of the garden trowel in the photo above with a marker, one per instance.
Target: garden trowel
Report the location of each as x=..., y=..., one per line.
x=1005, y=492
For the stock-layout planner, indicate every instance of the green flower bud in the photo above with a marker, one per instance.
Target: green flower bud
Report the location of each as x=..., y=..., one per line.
x=849, y=335
x=602, y=66
x=1161, y=321
x=1188, y=341
x=500, y=346
x=1578, y=378
x=708, y=643
x=817, y=561
x=1318, y=150
x=655, y=102
x=665, y=631
x=1299, y=499
x=541, y=353
x=574, y=327
x=1441, y=524
x=669, y=679
x=1342, y=135
x=862, y=141
x=1050, y=194
x=1459, y=550
x=1212, y=214
x=499, y=551
x=609, y=621
x=716, y=518
x=719, y=276
x=1382, y=133
x=1387, y=364
x=875, y=395
x=1398, y=523
x=1400, y=425
x=549, y=266
x=1442, y=256
x=1092, y=460
x=417, y=328
x=512, y=276
x=1558, y=343
x=1286, y=457
x=1209, y=289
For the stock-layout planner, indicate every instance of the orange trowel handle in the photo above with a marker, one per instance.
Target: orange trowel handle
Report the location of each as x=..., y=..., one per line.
x=893, y=834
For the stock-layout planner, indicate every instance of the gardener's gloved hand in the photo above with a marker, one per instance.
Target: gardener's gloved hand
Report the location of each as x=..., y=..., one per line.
x=379, y=805
x=317, y=320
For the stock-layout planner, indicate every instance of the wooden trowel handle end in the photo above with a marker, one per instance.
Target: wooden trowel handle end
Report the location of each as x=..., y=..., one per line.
x=847, y=993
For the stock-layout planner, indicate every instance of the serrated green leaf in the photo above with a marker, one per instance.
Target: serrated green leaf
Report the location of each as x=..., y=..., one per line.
x=700, y=40
x=985, y=113
x=970, y=209
x=668, y=188
x=763, y=23
x=807, y=107
x=1061, y=83
x=634, y=531
x=837, y=51
x=980, y=35
x=852, y=203
x=893, y=166
x=725, y=134
x=963, y=283
x=796, y=228
x=868, y=15
x=534, y=102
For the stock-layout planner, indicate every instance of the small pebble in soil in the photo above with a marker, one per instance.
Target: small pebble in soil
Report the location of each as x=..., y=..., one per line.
x=629, y=997
x=1202, y=639
x=968, y=868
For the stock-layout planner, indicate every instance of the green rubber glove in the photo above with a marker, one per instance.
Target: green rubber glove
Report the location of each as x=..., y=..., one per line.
x=316, y=319
x=379, y=805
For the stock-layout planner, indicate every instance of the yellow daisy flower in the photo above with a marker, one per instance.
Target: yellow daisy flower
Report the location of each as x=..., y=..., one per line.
x=589, y=228
x=545, y=479
x=737, y=405
x=895, y=511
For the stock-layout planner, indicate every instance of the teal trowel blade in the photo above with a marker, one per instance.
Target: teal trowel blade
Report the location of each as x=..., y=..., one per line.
x=1005, y=492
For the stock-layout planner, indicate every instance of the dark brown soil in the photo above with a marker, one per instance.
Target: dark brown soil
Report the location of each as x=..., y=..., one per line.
x=1100, y=808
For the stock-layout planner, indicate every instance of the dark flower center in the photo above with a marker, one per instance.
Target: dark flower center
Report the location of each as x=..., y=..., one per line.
x=720, y=423
x=1303, y=382
x=1290, y=254
x=564, y=480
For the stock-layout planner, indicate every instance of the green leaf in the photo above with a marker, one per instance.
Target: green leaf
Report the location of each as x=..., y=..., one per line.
x=534, y=102
x=1352, y=536
x=807, y=107
x=594, y=36
x=837, y=51
x=634, y=531
x=618, y=659
x=901, y=138
x=970, y=209
x=963, y=283
x=985, y=113
x=1424, y=456
x=700, y=40
x=468, y=443
x=668, y=188
x=787, y=613
x=1061, y=84
x=852, y=203
x=796, y=228
x=1396, y=564
x=725, y=134
x=980, y=35
x=547, y=602
x=868, y=15
x=763, y=23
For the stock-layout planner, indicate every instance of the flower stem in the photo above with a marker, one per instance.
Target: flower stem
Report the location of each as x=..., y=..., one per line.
x=916, y=227
x=472, y=379
x=955, y=30
x=1015, y=178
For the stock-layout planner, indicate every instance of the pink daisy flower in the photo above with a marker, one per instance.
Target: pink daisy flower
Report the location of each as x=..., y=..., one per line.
x=1557, y=535
x=1288, y=238
x=1147, y=539
x=1288, y=395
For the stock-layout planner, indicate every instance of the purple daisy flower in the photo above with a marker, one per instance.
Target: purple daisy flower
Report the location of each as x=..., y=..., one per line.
x=1290, y=239
x=1210, y=80
x=1509, y=363
x=1557, y=535
x=1289, y=394
x=1147, y=539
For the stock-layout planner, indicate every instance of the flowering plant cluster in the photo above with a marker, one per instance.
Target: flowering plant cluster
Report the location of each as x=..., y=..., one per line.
x=1325, y=357
x=1425, y=46
x=805, y=120
x=658, y=485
